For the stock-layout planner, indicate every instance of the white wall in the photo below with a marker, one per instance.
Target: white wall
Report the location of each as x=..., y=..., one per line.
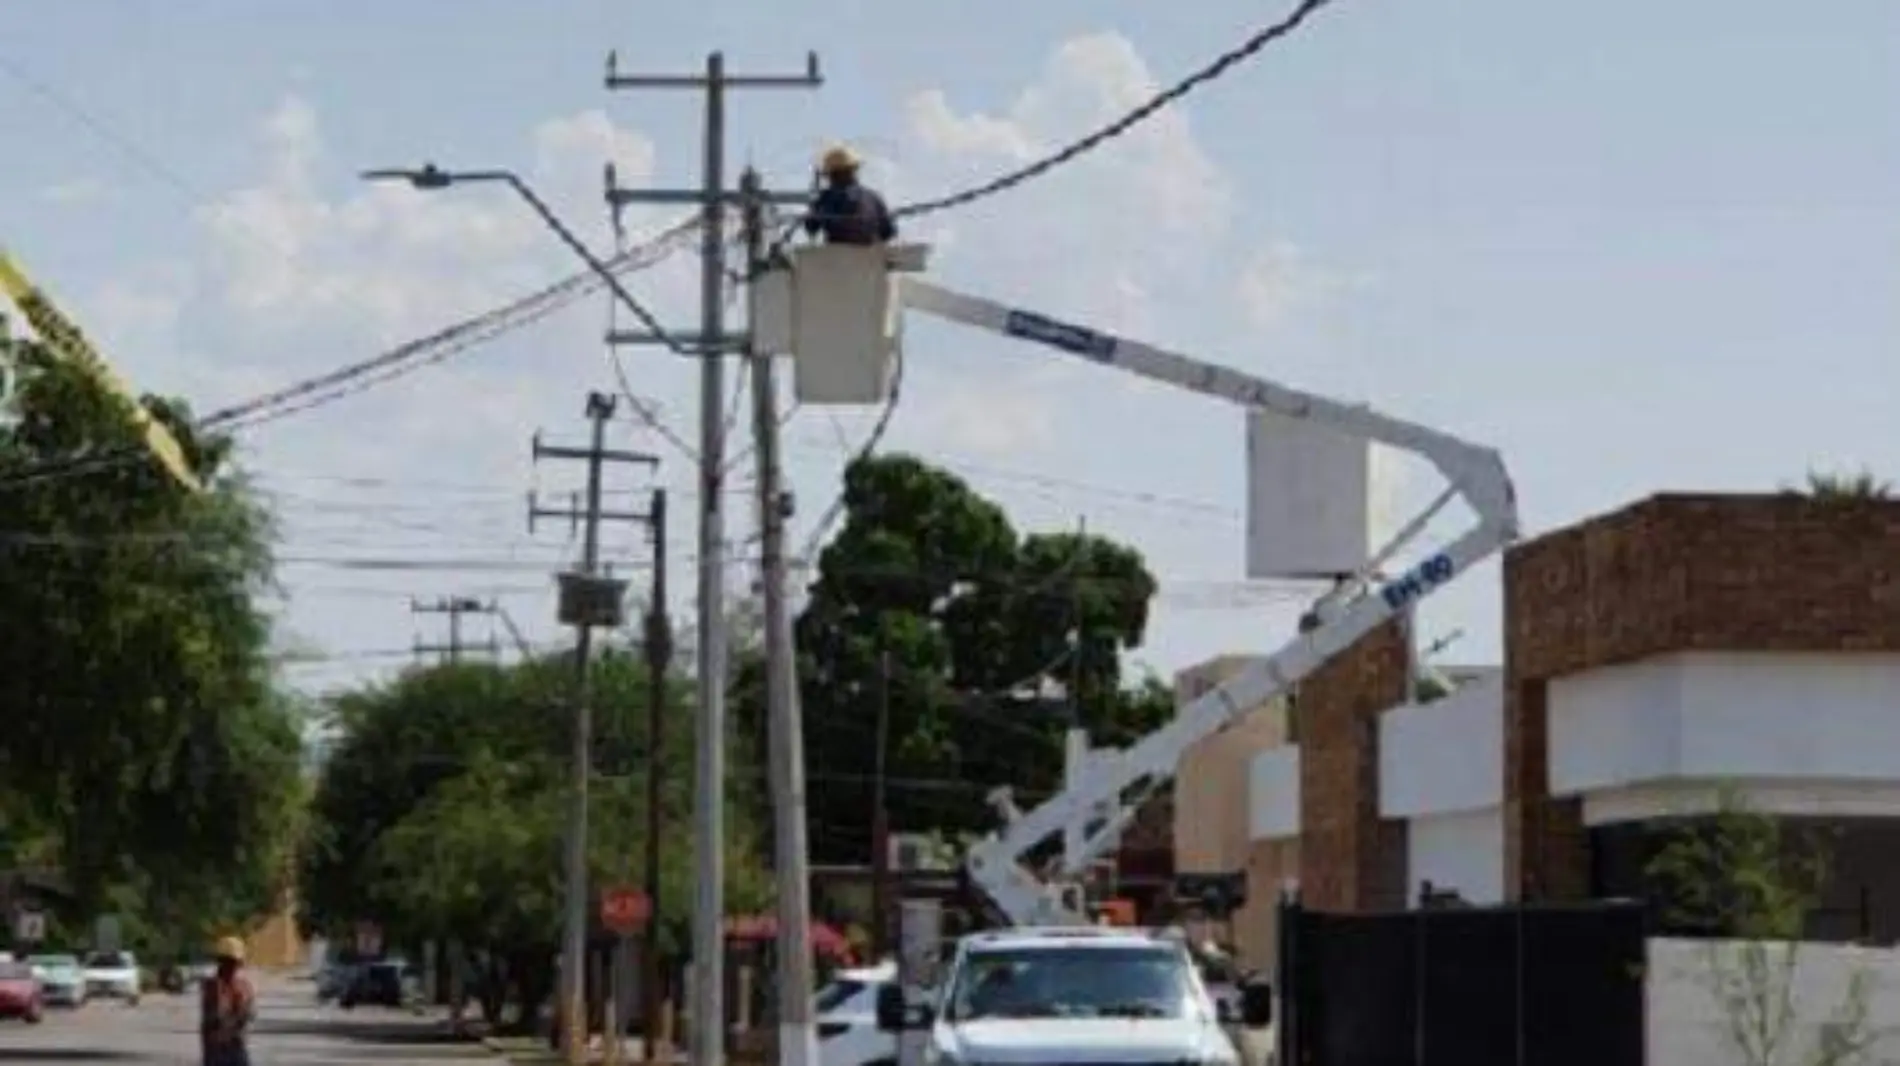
x=1464, y=851
x=1446, y=756
x=1797, y=733
x=1441, y=768
x=1273, y=794
x=1686, y=1027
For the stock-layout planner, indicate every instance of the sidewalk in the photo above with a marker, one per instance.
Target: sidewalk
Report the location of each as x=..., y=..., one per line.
x=534, y=1051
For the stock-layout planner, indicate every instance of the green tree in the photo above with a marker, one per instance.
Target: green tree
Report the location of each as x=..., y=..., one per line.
x=440, y=813
x=1862, y=485
x=144, y=739
x=1742, y=876
x=930, y=607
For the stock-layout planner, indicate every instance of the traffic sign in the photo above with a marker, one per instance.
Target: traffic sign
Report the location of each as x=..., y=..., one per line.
x=29, y=926
x=624, y=910
x=105, y=933
x=369, y=940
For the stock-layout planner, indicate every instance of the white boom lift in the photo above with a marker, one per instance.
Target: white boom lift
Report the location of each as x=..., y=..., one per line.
x=1104, y=794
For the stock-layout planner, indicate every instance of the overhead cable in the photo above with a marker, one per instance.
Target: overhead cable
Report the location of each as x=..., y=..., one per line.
x=1226, y=61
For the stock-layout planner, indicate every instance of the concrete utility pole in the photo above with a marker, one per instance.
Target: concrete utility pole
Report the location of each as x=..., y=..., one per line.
x=658, y=645
x=455, y=607
x=797, y=1032
x=711, y=345
x=588, y=600
x=881, y=911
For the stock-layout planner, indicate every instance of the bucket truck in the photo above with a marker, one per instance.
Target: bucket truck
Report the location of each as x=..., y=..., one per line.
x=1103, y=793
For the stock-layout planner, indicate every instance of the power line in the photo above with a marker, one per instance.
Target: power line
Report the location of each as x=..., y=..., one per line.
x=1226, y=61
x=329, y=387
x=444, y=342
x=1075, y=149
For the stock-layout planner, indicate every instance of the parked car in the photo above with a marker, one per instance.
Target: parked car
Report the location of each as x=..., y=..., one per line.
x=846, y=1011
x=378, y=984
x=114, y=974
x=20, y=993
x=62, y=980
x=335, y=979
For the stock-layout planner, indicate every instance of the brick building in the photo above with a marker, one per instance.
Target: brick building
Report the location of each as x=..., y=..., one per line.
x=1653, y=656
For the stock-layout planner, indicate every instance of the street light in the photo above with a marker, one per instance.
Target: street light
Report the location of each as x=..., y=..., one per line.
x=431, y=177
x=572, y=1025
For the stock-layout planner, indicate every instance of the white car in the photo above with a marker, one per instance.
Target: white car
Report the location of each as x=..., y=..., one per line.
x=62, y=981
x=846, y=1011
x=1076, y=997
x=113, y=974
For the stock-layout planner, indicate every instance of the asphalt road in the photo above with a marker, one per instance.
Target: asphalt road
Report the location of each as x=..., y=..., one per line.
x=291, y=1030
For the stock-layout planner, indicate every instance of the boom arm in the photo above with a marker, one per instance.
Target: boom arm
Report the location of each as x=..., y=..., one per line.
x=996, y=864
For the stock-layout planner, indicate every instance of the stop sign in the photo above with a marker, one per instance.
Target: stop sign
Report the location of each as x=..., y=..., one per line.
x=624, y=910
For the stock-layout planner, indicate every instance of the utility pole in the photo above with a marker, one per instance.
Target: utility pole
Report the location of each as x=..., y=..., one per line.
x=588, y=600
x=711, y=345
x=658, y=645
x=1075, y=739
x=880, y=809
x=455, y=607
x=797, y=1033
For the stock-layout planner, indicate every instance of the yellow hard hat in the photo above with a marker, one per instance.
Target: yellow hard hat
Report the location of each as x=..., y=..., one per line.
x=230, y=947
x=839, y=157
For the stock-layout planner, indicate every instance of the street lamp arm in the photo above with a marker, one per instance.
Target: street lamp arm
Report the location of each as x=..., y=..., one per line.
x=577, y=246
x=431, y=177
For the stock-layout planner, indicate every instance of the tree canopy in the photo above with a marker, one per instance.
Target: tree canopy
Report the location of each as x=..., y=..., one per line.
x=146, y=754
x=977, y=638
x=1862, y=485
x=440, y=811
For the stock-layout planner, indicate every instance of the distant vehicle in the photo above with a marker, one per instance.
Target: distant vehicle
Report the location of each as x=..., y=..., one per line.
x=335, y=979
x=846, y=1010
x=377, y=984
x=20, y=993
x=62, y=981
x=114, y=974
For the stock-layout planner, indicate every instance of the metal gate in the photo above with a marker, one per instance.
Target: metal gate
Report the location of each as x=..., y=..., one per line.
x=1466, y=986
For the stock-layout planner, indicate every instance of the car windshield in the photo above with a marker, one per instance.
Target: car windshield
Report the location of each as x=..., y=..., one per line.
x=1077, y=982
x=835, y=995
x=107, y=960
x=15, y=971
x=54, y=962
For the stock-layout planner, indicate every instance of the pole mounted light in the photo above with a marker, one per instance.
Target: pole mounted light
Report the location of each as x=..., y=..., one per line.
x=430, y=178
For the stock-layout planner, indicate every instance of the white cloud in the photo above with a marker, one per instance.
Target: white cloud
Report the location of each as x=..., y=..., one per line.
x=76, y=192
x=1159, y=168
x=1119, y=239
x=392, y=261
x=1277, y=282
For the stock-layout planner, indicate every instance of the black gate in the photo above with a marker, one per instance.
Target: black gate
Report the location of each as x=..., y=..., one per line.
x=1467, y=986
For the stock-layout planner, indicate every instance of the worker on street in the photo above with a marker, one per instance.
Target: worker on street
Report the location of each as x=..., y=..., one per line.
x=844, y=211
x=226, y=1008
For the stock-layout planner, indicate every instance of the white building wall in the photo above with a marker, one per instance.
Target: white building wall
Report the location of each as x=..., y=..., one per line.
x=1463, y=851
x=1273, y=794
x=1793, y=733
x=1441, y=768
x=1686, y=1025
x=1444, y=756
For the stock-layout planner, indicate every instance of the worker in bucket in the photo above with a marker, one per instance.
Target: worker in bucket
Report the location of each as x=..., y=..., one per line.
x=846, y=211
x=226, y=1008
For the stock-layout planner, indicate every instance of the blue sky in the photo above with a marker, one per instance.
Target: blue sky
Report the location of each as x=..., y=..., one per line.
x=1637, y=247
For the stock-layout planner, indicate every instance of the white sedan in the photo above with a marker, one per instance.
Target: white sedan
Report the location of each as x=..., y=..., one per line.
x=847, y=1019
x=114, y=974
